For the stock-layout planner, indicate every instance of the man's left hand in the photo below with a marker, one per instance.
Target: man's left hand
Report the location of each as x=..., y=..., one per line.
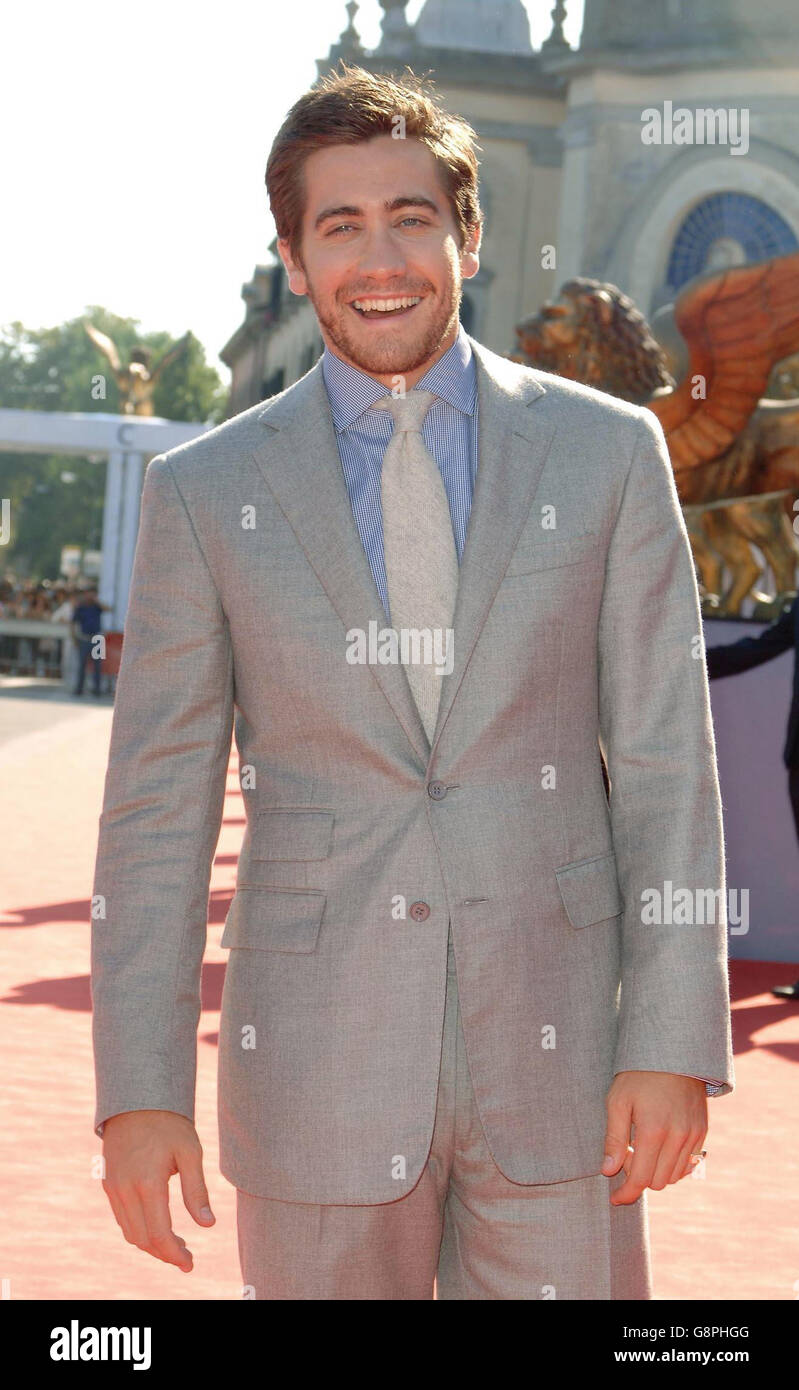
x=669, y=1115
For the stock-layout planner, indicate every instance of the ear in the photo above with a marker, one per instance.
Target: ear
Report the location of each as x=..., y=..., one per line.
x=470, y=255
x=296, y=275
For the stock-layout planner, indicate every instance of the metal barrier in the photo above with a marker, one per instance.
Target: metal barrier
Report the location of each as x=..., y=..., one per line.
x=27, y=647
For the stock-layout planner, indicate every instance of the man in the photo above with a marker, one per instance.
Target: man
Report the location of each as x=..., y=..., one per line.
x=423, y=1055
x=86, y=625
x=781, y=636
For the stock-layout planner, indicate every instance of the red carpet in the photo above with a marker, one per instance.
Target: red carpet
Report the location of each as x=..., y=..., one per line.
x=733, y=1234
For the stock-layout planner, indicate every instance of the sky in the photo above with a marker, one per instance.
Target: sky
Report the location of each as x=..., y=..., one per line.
x=134, y=148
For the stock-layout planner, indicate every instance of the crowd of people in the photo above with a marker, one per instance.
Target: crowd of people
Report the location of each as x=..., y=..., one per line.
x=44, y=601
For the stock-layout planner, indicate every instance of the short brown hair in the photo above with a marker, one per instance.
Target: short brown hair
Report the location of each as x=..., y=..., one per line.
x=351, y=105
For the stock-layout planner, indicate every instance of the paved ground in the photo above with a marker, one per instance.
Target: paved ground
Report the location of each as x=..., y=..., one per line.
x=58, y=1237
x=733, y=1235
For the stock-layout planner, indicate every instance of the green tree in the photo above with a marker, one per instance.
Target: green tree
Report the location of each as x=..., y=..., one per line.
x=57, y=500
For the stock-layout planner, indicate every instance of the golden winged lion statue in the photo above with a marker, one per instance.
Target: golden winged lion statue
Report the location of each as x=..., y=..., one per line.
x=735, y=452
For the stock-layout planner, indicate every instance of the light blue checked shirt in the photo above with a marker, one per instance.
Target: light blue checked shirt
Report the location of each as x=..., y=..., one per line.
x=449, y=431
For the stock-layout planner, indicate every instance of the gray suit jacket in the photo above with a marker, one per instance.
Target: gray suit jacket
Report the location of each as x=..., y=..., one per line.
x=566, y=639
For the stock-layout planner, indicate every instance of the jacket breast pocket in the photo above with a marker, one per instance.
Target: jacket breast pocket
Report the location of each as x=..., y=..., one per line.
x=590, y=889
x=548, y=550
x=274, y=919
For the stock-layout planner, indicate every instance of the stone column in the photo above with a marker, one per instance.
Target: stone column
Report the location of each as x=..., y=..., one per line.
x=131, y=501
x=112, y=509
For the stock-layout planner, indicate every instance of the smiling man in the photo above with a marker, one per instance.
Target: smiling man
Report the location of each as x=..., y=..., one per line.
x=402, y=324
x=452, y=1054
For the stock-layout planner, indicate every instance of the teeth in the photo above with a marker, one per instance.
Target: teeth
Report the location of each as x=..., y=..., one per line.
x=384, y=305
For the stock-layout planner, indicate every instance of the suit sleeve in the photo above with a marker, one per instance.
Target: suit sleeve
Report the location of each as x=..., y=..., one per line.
x=161, y=814
x=656, y=735
x=752, y=651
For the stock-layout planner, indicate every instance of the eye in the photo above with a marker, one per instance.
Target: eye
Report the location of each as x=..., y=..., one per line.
x=420, y=221
x=341, y=227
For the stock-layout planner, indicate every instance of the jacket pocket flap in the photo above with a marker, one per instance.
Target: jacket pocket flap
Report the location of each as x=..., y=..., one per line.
x=590, y=889
x=291, y=834
x=274, y=919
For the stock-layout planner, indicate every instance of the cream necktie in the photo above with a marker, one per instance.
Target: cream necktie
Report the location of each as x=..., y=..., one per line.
x=419, y=548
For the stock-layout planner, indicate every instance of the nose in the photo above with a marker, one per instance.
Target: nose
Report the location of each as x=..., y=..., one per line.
x=382, y=257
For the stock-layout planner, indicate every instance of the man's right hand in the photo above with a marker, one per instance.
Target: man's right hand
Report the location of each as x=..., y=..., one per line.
x=142, y=1151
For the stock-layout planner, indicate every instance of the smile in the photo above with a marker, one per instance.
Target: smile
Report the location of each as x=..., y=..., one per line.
x=385, y=308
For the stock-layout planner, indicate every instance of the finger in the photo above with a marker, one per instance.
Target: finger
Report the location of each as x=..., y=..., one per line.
x=617, y=1136
x=628, y=1159
x=694, y=1162
x=624, y=1171
x=161, y=1239
x=192, y=1185
x=134, y=1216
x=686, y=1162
x=667, y=1160
x=119, y=1213
x=647, y=1150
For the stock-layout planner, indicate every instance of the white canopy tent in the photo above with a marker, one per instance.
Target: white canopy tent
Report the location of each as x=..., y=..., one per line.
x=128, y=441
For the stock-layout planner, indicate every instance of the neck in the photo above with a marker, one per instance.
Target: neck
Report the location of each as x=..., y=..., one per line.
x=388, y=379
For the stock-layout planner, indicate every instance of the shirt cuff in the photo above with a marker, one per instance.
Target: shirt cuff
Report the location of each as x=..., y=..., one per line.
x=712, y=1087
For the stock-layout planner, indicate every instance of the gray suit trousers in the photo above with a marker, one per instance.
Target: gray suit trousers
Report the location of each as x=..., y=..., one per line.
x=464, y=1232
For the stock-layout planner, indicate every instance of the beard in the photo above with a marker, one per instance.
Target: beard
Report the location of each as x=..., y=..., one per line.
x=391, y=356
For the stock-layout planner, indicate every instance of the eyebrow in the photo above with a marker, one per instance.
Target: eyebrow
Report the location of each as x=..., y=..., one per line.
x=405, y=200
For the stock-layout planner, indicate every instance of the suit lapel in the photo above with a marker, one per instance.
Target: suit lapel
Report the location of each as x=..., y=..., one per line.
x=513, y=442
x=300, y=463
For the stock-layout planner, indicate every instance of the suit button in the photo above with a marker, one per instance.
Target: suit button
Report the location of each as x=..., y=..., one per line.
x=437, y=790
x=419, y=912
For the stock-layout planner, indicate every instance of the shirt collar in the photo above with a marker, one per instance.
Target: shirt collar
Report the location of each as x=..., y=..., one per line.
x=453, y=378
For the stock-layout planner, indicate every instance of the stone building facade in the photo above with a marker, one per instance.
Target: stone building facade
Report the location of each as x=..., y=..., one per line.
x=565, y=161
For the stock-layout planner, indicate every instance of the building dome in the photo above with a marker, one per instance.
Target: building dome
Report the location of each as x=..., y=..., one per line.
x=485, y=26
